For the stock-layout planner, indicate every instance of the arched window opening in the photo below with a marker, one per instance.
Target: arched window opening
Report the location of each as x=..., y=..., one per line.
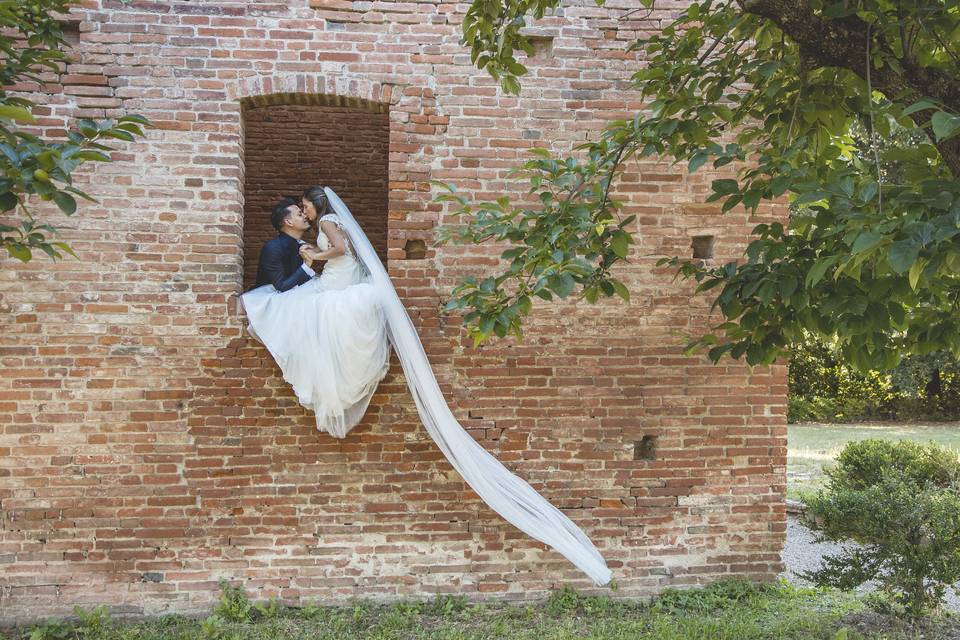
x=295, y=141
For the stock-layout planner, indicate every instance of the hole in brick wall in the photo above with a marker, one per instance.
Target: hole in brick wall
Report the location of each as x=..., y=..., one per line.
x=414, y=250
x=542, y=46
x=702, y=247
x=295, y=141
x=645, y=448
x=71, y=32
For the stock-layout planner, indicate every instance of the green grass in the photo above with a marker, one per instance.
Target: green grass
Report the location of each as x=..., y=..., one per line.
x=730, y=610
x=811, y=447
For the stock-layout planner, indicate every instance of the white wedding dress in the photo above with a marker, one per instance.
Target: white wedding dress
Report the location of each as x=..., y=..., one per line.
x=330, y=338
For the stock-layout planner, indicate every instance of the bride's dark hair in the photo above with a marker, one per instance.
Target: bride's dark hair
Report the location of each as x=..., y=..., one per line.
x=319, y=199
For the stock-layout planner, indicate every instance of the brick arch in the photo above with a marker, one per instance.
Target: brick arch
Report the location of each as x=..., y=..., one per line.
x=312, y=99
x=297, y=140
x=329, y=90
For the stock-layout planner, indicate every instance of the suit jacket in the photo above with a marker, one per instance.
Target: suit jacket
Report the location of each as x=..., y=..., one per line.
x=280, y=264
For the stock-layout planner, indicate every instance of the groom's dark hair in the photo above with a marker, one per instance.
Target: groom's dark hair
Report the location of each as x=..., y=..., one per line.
x=279, y=213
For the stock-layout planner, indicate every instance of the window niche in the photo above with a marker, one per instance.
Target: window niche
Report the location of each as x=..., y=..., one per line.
x=70, y=27
x=295, y=140
x=702, y=247
x=414, y=249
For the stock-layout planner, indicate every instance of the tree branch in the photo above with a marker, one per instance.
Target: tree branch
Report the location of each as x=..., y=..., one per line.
x=841, y=43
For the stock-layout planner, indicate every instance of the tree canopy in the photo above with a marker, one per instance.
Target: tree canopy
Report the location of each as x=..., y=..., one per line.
x=31, y=43
x=846, y=110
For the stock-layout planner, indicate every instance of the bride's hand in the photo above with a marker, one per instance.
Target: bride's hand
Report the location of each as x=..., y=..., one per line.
x=308, y=253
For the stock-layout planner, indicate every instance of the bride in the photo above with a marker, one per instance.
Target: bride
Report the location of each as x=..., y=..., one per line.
x=330, y=338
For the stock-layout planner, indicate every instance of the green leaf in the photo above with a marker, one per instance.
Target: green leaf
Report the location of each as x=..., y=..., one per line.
x=66, y=202
x=767, y=69
x=8, y=201
x=752, y=198
x=866, y=241
x=945, y=125
x=620, y=243
x=92, y=155
x=819, y=269
x=17, y=114
x=779, y=185
x=133, y=117
x=563, y=285
x=725, y=186
x=697, y=161
x=915, y=271
x=10, y=154
x=486, y=324
x=919, y=105
x=19, y=251
x=511, y=85
x=847, y=186
x=452, y=305
x=50, y=251
x=730, y=203
x=620, y=289
x=903, y=254
x=65, y=248
x=809, y=196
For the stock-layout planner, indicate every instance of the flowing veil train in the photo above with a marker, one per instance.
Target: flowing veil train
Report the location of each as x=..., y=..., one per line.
x=514, y=499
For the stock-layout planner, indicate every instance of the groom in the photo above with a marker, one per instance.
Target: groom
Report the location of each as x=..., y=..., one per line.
x=280, y=261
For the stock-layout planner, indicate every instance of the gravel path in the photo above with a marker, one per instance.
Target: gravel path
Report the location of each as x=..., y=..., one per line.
x=801, y=553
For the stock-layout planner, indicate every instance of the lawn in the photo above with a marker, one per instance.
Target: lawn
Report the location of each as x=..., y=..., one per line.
x=731, y=610
x=812, y=446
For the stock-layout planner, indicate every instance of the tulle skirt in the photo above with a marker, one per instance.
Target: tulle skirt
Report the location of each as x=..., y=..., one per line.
x=329, y=338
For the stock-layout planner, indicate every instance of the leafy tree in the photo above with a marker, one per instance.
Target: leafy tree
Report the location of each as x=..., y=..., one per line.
x=31, y=43
x=847, y=110
x=923, y=376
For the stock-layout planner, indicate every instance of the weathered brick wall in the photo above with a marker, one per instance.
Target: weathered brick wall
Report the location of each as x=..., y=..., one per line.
x=290, y=147
x=148, y=446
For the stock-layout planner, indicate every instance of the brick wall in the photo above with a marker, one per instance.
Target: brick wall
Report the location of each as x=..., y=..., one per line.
x=290, y=147
x=148, y=446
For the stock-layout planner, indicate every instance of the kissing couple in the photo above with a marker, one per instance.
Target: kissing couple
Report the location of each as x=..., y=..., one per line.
x=331, y=335
x=326, y=331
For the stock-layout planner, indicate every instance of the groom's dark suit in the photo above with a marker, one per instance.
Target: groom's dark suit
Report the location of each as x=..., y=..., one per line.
x=281, y=264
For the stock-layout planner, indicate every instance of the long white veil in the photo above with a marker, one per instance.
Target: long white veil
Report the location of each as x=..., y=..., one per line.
x=505, y=493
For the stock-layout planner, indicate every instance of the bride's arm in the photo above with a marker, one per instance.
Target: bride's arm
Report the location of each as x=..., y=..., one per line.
x=338, y=245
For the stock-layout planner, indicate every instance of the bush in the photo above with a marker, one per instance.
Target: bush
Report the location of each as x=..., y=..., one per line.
x=901, y=502
x=822, y=388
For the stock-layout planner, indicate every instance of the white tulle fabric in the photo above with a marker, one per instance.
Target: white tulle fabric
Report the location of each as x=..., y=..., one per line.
x=508, y=495
x=329, y=337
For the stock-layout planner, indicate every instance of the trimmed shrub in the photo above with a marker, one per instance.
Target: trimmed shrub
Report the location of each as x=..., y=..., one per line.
x=900, y=501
